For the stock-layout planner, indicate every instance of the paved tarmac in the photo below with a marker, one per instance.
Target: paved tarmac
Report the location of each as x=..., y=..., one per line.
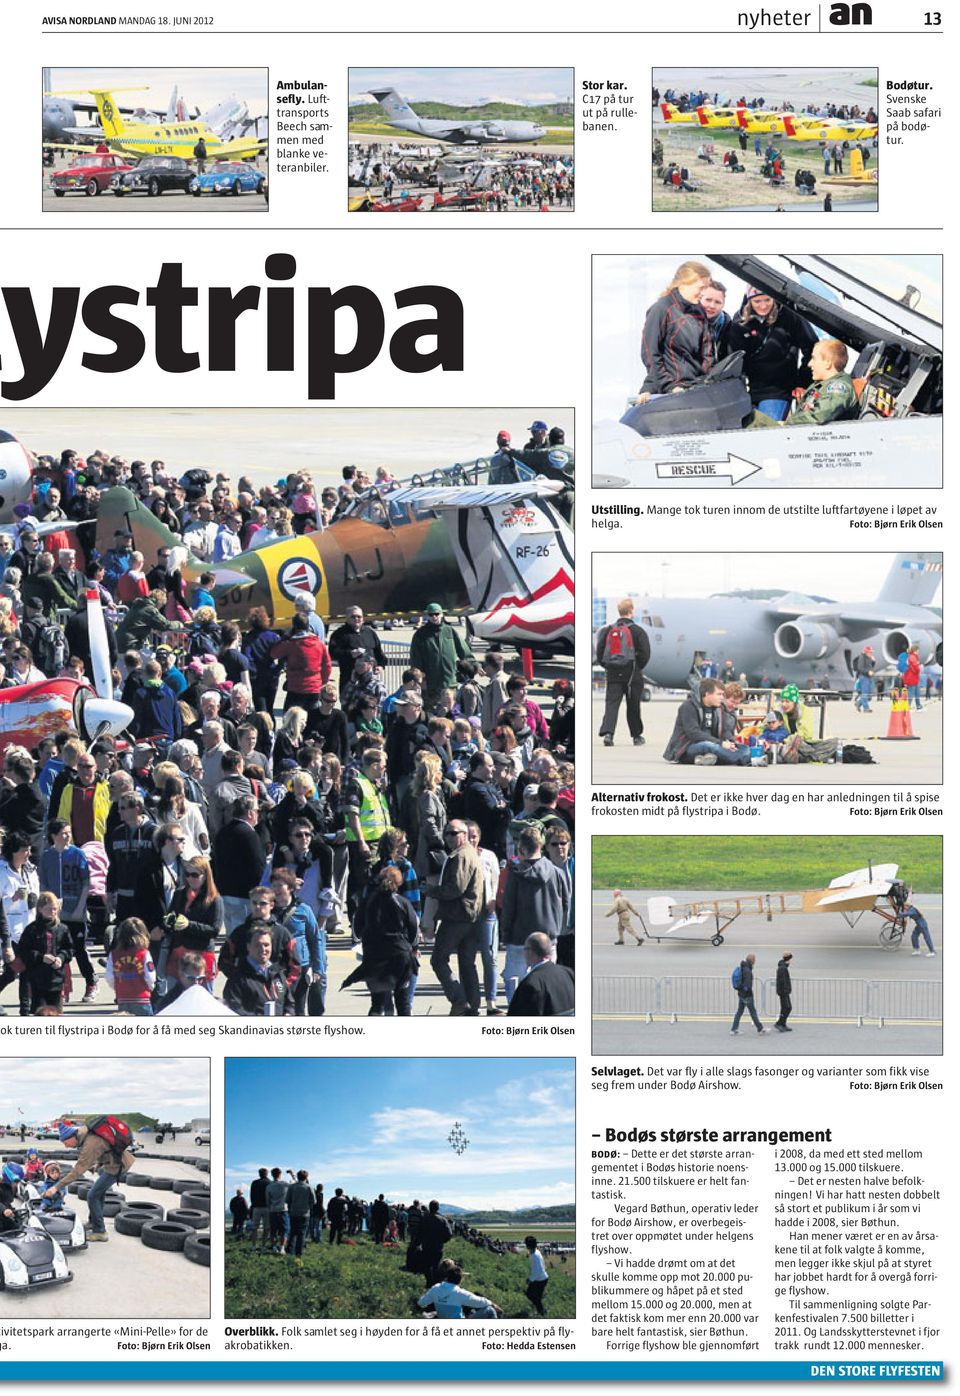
x=123, y=1278
x=824, y=948
x=899, y=763
x=267, y=443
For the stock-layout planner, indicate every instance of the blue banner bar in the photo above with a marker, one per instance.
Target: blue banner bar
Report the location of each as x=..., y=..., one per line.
x=239, y=1370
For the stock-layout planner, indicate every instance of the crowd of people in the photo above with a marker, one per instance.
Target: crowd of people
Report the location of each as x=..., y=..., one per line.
x=285, y=1212
x=223, y=836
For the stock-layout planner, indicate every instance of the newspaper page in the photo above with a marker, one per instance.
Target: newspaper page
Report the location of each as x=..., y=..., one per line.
x=332, y=349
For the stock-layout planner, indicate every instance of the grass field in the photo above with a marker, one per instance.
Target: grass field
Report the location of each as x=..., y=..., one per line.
x=773, y=862
x=564, y=1233
x=366, y=1281
x=721, y=190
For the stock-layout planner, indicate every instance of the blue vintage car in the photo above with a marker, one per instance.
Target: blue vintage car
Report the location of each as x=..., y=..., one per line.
x=229, y=177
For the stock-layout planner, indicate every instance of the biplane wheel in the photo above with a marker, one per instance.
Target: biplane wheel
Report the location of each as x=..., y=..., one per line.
x=717, y=939
x=891, y=936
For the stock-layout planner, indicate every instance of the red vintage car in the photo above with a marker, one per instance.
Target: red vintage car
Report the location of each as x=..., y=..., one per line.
x=89, y=174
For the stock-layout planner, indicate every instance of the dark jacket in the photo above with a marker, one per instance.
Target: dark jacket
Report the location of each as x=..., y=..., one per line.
x=547, y=991
x=694, y=723
x=149, y=900
x=677, y=346
x=238, y=859
x=746, y=980
x=203, y=926
x=156, y=712
x=641, y=646
x=775, y=355
x=248, y=992
x=388, y=929
x=784, y=985
x=45, y=938
x=330, y=730
x=22, y=809
x=484, y=804
x=77, y=632
x=345, y=639
x=127, y=849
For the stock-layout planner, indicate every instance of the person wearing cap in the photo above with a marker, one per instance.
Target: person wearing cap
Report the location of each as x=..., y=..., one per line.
x=538, y=436
x=173, y=677
x=435, y=648
x=95, y=1155
x=503, y=469
x=864, y=668
x=117, y=560
x=776, y=343
x=405, y=737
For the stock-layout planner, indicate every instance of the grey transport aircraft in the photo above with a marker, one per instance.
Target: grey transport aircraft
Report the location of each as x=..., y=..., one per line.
x=800, y=637
x=488, y=132
x=698, y=438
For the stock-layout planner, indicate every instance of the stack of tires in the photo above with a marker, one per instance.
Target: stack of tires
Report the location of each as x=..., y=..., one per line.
x=184, y=1228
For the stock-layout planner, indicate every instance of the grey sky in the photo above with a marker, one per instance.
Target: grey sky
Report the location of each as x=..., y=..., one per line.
x=38, y=1089
x=199, y=87
x=839, y=576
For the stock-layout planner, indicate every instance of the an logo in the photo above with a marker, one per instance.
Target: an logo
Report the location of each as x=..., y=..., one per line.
x=298, y=577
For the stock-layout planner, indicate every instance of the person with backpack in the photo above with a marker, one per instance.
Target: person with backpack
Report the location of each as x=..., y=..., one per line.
x=103, y=1148
x=623, y=650
x=742, y=981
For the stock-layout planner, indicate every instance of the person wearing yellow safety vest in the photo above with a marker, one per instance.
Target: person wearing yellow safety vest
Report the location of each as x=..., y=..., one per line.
x=367, y=817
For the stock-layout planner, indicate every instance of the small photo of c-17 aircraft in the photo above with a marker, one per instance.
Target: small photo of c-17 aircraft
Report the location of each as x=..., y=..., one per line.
x=697, y=438
x=140, y=138
x=801, y=637
x=484, y=132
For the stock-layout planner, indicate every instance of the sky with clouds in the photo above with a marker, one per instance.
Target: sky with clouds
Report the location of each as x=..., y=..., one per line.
x=382, y=1125
x=466, y=87
x=151, y=87
x=38, y=1089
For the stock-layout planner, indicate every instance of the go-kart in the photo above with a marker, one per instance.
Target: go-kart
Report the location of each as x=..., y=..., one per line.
x=29, y=1257
x=63, y=1225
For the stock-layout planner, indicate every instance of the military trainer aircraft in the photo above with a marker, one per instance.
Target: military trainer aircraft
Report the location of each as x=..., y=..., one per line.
x=502, y=554
x=800, y=637
x=486, y=132
x=697, y=438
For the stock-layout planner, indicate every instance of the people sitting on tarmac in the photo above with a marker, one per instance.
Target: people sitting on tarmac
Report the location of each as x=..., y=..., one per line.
x=697, y=738
x=802, y=742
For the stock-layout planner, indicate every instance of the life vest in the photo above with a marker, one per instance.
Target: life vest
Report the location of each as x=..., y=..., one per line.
x=374, y=815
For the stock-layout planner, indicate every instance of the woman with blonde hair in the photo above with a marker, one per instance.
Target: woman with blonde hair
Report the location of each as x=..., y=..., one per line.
x=677, y=345
x=431, y=809
x=289, y=738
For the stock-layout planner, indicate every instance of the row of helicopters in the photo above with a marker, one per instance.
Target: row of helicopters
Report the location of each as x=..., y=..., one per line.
x=794, y=126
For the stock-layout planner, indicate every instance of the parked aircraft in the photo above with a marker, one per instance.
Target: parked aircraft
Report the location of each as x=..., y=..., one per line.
x=800, y=637
x=139, y=138
x=486, y=132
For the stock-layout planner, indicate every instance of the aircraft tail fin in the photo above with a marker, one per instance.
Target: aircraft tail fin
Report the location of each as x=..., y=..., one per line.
x=515, y=553
x=173, y=106
x=790, y=126
x=120, y=509
x=742, y=121
x=394, y=105
x=667, y=110
x=110, y=118
x=702, y=116
x=913, y=579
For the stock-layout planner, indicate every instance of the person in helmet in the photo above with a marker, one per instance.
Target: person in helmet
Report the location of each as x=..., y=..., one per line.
x=11, y=1180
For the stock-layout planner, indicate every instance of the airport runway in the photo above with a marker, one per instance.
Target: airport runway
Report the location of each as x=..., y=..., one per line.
x=266, y=443
x=122, y=1278
x=823, y=946
x=897, y=762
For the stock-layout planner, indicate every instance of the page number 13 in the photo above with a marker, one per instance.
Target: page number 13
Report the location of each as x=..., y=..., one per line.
x=932, y=17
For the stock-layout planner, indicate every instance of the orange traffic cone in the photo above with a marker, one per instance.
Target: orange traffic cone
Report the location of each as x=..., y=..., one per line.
x=526, y=656
x=900, y=728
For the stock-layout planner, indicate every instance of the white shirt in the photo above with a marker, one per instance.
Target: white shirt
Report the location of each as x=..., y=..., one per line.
x=538, y=1270
x=19, y=913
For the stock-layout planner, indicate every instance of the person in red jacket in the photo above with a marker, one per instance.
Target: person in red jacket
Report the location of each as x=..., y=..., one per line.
x=307, y=662
x=911, y=677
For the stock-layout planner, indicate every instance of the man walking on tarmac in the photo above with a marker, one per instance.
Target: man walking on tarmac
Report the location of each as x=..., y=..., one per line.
x=623, y=649
x=621, y=909
x=743, y=983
